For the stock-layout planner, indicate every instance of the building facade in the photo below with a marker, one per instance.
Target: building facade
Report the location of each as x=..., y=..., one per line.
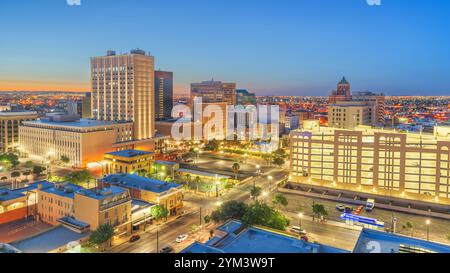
x=163, y=94
x=86, y=110
x=169, y=195
x=123, y=90
x=104, y=205
x=128, y=161
x=9, y=129
x=402, y=163
x=214, y=92
x=347, y=111
x=82, y=141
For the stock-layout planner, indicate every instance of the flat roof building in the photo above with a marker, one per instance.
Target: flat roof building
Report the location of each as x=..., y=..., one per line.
x=235, y=237
x=410, y=165
x=126, y=161
x=82, y=141
x=9, y=129
x=159, y=192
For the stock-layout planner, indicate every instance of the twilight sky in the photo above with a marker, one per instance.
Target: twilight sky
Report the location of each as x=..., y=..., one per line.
x=271, y=47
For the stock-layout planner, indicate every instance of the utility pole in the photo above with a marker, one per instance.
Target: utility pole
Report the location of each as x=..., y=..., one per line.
x=200, y=216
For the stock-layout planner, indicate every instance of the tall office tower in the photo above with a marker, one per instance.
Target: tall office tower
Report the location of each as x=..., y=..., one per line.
x=163, y=94
x=123, y=90
x=342, y=92
x=86, y=106
x=214, y=91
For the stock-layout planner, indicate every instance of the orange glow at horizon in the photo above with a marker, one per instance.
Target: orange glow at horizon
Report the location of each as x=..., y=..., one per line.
x=43, y=86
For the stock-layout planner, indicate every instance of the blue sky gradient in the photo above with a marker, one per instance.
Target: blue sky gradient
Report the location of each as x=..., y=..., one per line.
x=273, y=47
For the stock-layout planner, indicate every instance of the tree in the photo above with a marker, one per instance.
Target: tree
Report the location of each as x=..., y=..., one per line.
x=79, y=177
x=15, y=175
x=10, y=159
x=278, y=161
x=319, y=210
x=29, y=164
x=26, y=173
x=197, y=182
x=410, y=226
x=65, y=159
x=207, y=219
x=260, y=213
x=212, y=145
x=280, y=200
x=229, y=210
x=103, y=234
x=235, y=169
x=255, y=192
x=159, y=212
x=37, y=170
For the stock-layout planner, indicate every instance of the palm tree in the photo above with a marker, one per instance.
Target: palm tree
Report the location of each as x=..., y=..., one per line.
x=197, y=182
x=235, y=169
x=255, y=192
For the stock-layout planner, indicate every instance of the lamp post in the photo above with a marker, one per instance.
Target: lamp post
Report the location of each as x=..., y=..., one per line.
x=300, y=216
x=428, y=222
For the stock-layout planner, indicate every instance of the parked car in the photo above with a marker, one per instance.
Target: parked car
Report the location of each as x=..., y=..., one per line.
x=340, y=207
x=134, y=238
x=167, y=249
x=348, y=209
x=181, y=238
x=298, y=230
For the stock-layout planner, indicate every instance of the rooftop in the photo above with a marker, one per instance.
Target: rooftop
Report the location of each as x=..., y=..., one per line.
x=393, y=243
x=103, y=193
x=82, y=123
x=241, y=239
x=48, y=241
x=7, y=195
x=139, y=182
x=129, y=153
x=62, y=189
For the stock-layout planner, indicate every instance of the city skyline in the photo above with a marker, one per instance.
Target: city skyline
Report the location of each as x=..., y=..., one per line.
x=397, y=48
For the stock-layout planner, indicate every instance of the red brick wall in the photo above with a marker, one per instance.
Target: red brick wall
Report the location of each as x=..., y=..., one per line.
x=13, y=215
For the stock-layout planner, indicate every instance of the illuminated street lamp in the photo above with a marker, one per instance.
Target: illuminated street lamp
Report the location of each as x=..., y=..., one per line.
x=428, y=222
x=300, y=216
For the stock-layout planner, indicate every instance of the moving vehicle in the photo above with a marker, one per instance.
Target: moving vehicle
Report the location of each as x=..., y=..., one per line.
x=340, y=207
x=181, y=238
x=167, y=249
x=134, y=238
x=358, y=210
x=370, y=204
x=298, y=230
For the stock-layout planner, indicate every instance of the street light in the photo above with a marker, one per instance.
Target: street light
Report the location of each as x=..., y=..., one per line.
x=428, y=222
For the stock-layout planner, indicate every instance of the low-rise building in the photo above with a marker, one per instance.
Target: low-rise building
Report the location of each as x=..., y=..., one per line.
x=56, y=201
x=104, y=205
x=82, y=141
x=169, y=195
x=128, y=161
x=9, y=129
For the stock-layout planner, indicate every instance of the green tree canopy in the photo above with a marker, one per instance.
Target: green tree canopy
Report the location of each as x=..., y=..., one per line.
x=212, y=145
x=159, y=212
x=37, y=170
x=79, y=177
x=65, y=159
x=255, y=192
x=280, y=200
x=229, y=210
x=103, y=234
x=235, y=169
x=260, y=213
x=319, y=210
x=10, y=159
